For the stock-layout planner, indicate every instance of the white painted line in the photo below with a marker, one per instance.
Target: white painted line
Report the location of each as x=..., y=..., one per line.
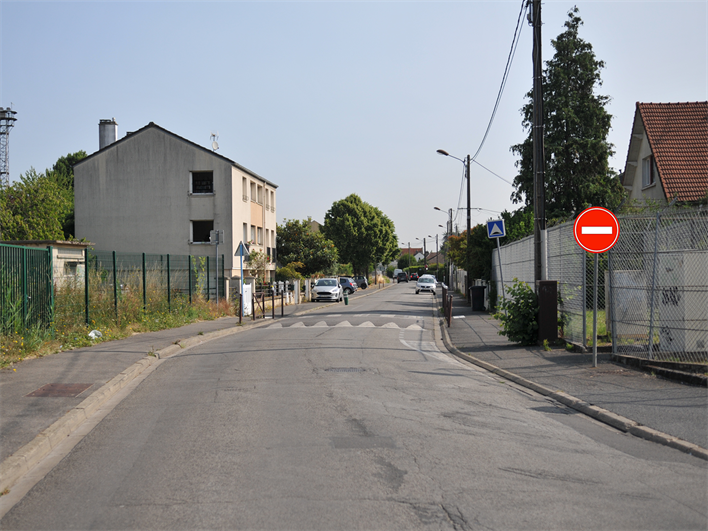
x=596, y=230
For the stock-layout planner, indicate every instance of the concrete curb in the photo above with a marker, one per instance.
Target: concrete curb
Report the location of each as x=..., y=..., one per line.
x=603, y=415
x=24, y=459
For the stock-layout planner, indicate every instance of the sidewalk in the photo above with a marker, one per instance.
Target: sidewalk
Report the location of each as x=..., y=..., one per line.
x=652, y=403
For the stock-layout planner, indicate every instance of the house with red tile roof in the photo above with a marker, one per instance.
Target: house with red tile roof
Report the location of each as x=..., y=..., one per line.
x=415, y=252
x=668, y=153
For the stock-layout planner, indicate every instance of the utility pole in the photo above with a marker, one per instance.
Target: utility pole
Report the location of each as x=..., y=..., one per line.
x=539, y=163
x=468, y=260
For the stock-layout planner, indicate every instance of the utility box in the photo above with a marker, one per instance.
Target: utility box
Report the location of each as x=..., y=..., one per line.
x=547, y=310
x=477, y=298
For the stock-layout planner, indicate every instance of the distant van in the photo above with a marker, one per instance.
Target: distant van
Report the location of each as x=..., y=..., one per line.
x=396, y=271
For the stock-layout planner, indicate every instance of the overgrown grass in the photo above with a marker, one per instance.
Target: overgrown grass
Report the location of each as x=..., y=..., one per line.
x=69, y=330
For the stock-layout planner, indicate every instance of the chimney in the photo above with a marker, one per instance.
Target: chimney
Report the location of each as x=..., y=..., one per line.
x=107, y=132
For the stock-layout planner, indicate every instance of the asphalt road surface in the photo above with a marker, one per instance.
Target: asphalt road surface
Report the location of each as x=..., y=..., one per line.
x=351, y=417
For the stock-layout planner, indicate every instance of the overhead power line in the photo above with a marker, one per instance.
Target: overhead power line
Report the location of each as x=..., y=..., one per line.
x=509, y=61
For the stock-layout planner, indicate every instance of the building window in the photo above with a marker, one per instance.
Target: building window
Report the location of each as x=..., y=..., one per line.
x=200, y=231
x=202, y=182
x=245, y=232
x=70, y=269
x=253, y=233
x=272, y=201
x=259, y=197
x=244, y=191
x=260, y=235
x=648, y=171
x=253, y=191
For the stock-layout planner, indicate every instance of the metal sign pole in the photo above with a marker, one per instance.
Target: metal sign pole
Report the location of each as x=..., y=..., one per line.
x=594, y=319
x=501, y=274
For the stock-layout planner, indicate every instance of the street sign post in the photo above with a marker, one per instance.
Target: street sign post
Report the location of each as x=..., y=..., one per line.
x=596, y=230
x=496, y=229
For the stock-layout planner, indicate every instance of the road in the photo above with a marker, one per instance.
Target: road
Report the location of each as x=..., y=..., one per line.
x=352, y=417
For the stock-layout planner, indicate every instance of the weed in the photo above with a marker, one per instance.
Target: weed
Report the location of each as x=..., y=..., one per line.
x=546, y=346
x=69, y=329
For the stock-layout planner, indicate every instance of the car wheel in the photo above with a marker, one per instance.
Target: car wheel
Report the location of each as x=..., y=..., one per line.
x=417, y=291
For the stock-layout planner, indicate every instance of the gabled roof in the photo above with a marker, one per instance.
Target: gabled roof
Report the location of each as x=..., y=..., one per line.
x=678, y=138
x=153, y=125
x=412, y=250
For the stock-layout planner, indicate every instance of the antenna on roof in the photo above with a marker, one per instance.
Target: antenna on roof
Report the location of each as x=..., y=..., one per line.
x=214, y=138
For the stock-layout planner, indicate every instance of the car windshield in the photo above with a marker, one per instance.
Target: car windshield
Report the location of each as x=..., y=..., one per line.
x=426, y=280
x=326, y=282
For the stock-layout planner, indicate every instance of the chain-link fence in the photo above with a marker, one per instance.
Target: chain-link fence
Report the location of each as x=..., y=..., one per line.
x=659, y=286
x=517, y=263
x=652, y=286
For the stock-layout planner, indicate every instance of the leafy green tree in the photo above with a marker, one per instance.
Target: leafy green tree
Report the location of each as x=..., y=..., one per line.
x=63, y=173
x=289, y=272
x=362, y=234
x=406, y=260
x=63, y=169
x=34, y=208
x=576, y=125
x=297, y=243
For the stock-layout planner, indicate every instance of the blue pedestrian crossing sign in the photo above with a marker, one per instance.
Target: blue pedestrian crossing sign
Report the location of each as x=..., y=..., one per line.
x=496, y=229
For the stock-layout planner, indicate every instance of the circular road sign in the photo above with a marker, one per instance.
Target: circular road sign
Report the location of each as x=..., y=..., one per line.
x=596, y=229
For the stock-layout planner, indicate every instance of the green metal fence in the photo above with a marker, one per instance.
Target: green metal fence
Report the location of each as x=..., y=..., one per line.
x=26, y=295
x=135, y=282
x=108, y=284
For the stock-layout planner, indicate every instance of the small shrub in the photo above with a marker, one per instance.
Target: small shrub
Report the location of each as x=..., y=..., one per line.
x=518, y=314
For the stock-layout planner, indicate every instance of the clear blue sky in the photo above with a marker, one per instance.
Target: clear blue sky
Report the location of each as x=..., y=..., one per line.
x=326, y=99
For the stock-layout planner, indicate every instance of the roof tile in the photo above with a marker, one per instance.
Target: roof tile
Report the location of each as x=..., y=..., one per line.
x=678, y=136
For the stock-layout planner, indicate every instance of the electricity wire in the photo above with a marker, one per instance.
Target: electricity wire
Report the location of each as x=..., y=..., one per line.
x=505, y=77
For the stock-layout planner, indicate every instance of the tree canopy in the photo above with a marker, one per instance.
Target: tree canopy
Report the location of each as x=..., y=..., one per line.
x=363, y=235
x=40, y=206
x=34, y=208
x=576, y=125
x=297, y=243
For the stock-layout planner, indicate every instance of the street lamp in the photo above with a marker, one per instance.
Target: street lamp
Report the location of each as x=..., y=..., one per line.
x=425, y=258
x=468, y=262
x=447, y=237
x=437, y=254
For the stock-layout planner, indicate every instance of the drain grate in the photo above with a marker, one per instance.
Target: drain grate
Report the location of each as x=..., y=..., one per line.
x=345, y=369
x=59, y=390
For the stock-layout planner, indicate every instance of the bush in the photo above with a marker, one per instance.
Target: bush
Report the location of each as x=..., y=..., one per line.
x=518, y=314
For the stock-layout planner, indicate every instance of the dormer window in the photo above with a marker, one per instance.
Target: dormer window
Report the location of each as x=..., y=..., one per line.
x=201, y=182
x=649, y=171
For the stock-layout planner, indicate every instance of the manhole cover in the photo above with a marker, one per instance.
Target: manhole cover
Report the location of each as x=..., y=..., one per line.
x=60, y=390
x=345, y=369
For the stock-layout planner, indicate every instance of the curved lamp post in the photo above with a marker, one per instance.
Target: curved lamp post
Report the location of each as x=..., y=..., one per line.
x=468, y=263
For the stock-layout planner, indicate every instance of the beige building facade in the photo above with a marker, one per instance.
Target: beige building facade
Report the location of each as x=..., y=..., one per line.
x=155, y=192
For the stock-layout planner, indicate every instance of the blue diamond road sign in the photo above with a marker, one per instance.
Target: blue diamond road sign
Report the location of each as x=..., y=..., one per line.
x=496, y=229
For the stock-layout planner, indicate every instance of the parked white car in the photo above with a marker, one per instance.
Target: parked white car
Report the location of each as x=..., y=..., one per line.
x=327, y=289
x=425, y=283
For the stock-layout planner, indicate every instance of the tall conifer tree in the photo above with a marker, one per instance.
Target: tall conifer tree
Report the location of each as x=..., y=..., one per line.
x=576, y=124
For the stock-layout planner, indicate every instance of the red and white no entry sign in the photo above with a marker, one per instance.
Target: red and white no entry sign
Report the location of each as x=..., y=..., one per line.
x=596, y=229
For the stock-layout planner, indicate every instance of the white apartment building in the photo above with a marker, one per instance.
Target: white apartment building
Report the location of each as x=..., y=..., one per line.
x=155, y=192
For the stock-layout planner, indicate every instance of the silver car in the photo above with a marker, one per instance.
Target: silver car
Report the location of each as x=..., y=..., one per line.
x=425, y=283
x=327, y=289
